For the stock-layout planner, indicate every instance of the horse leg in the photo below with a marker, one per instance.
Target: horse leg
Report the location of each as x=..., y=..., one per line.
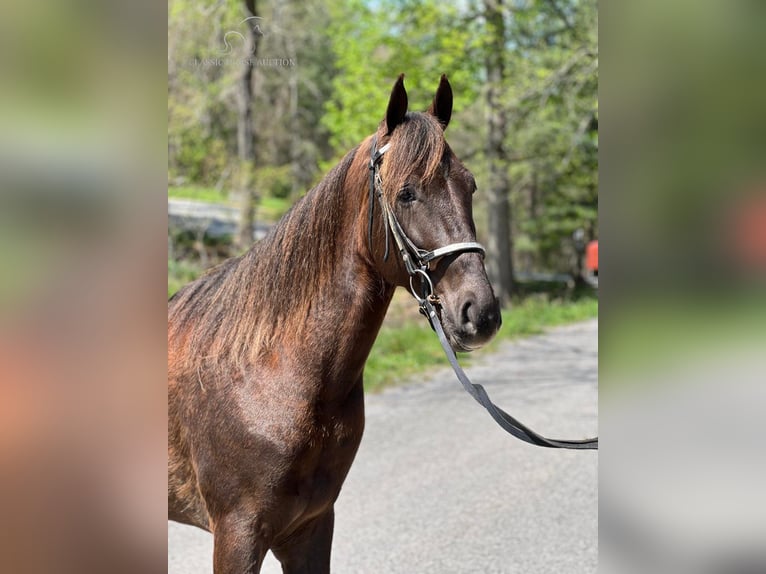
x=236, y=546
x=308, y=549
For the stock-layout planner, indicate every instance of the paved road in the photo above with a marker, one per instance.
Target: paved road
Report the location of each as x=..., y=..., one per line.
x=438, y=488
x=212, y=219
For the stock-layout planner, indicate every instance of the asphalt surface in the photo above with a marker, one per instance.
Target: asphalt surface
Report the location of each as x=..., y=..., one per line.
x=438, y=488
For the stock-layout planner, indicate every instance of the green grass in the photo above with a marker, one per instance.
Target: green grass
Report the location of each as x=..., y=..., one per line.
x=405, y=350
x=268, y=209
x=207, y=194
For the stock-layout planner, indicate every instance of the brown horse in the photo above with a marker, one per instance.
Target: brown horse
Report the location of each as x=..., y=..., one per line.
x=266, y=351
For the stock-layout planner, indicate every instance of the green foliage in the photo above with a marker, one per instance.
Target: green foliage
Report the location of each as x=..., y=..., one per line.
x=201, y=104
x=347, y=55
x=274, y=181
x=421, y=38
x=180, y=273
x=553, y=102
x=550, y=100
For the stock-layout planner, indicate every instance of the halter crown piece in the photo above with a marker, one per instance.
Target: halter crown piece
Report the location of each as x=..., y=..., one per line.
x=416, y=261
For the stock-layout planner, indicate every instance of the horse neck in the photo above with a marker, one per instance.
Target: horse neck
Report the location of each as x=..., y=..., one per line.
x=361, y=296
x=308, y=296
x=335, y=323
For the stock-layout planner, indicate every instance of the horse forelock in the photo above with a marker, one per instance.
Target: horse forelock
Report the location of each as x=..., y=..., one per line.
x=417, y=146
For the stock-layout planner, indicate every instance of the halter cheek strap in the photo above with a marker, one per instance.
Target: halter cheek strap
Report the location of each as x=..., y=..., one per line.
x=376, y=184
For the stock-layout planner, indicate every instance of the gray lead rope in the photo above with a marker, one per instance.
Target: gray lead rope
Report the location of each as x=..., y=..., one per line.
x=419, y=268
x=506, y=421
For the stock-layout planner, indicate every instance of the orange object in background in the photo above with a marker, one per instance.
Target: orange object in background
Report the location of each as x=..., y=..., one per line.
x=748, y=233
x=591, y=256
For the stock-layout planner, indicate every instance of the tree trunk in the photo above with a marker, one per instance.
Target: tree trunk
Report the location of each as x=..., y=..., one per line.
x=500, y=247
x=296, y=170
x=246, y=134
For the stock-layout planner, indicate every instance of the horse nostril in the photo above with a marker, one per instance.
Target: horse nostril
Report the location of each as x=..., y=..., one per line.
x=466, y=316
x=477, y=319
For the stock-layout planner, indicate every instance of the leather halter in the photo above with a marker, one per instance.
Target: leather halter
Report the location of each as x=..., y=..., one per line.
x=416, y=261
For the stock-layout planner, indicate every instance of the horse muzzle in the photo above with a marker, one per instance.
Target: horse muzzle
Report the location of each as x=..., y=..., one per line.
x=471, y=318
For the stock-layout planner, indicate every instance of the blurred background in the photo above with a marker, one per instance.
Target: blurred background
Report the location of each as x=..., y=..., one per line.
x=88, y=161
x=682, y=308
x=82, y=298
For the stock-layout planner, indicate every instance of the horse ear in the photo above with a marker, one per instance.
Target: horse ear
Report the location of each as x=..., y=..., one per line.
x=441, y=106
x=397, y=105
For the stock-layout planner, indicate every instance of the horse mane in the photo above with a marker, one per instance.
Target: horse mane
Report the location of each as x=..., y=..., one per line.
x=242, y=306
x=239, y=305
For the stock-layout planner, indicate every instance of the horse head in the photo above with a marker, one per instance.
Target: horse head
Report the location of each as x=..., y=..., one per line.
x=424, y=194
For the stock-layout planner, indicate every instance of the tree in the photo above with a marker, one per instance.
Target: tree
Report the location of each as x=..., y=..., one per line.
x=374, y=43
x=245, y=132
x=500, y=248
x=553, y=115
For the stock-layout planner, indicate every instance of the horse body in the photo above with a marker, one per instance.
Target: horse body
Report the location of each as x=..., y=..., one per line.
x=267, y=351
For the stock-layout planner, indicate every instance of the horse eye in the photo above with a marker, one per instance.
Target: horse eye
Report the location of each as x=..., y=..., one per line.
x=406, y=195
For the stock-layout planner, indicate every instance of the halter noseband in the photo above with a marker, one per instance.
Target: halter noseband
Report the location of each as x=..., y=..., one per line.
x=416, y=260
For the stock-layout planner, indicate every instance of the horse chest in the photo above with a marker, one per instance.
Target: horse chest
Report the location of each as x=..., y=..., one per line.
x=322, y=471
x=326, y=447
x=307, y=445
x=315, y=465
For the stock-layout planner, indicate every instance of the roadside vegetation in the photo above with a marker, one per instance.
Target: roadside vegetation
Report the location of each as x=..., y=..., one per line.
x=406, y=346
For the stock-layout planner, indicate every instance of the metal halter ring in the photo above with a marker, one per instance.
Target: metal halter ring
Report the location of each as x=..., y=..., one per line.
x=426, y=281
